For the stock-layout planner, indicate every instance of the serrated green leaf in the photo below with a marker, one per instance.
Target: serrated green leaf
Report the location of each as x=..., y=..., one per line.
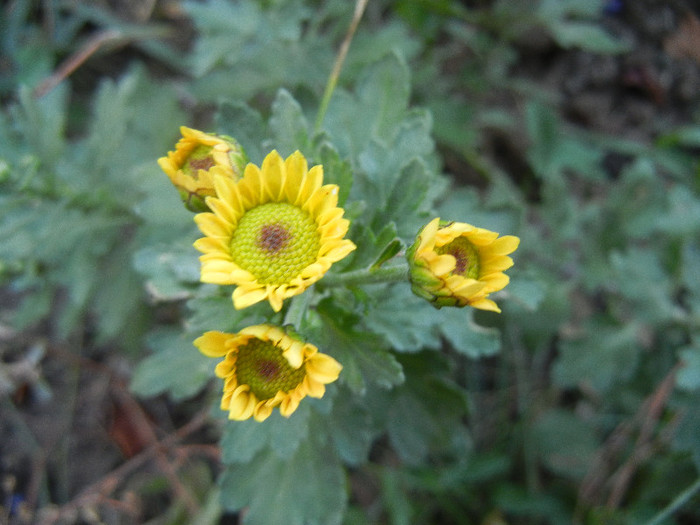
x=408, y=322
x=42, y=122
x=213, y=309
x=303, y=488
x=467, y=337
x=376, y=112
x=120, y=308
x=242, y=440
x=426, y=411
x=566, y=444
x=335, y=170
x=177, y=367
x=654, y=301
x=244, y=124
x=383, y=89
x=603, y=356
x=289, y=128
x=389, y=252
x=406, y=205
x=370, y=246
x=171, y=270
x=411, y=324
x=351, y=429
x=364, y=355
x=528, y=292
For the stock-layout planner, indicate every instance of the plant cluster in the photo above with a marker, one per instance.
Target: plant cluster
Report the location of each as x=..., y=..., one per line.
x=346, y=287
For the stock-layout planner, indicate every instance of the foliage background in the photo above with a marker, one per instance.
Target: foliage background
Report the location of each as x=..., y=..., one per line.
x=572, y=125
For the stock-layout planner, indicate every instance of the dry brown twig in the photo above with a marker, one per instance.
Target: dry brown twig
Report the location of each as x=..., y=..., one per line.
x=99, y=491
x=74, y=61
x=599, y=476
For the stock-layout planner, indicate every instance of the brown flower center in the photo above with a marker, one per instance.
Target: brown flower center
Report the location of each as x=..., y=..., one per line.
x=268, y=369
x=204, y=163
x=261, y=365
x=466, y=257
x=273, y=237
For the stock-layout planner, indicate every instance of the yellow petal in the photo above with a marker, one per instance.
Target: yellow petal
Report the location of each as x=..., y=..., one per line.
x=314, y=388
x=497, y=263
x=505, y=245
x=273, y=170
x=427, y=234
x=310, y=183
x=213, y=226
x=323, y=368
x=443, y=264
x=242, y=403
x=213, y=344
x=338, y=250
x=495, y=282
x=242, y=297
x=294, y=354
x=288, y=406
x=223, y=369
x=224, y=210
x=262, y=411
x=207, y=245
x=323, y=199
x=296, y=168
x=250, y=187
x=486, y=304
x=481, y=237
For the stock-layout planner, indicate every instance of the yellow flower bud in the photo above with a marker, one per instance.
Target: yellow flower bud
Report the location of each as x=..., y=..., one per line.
x=197, y=158
x=457, y=264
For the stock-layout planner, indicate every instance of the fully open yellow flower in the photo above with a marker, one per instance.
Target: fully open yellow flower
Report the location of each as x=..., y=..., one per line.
x=197, y=158
x=273, y=233
x=457, y=264
x=265, y=367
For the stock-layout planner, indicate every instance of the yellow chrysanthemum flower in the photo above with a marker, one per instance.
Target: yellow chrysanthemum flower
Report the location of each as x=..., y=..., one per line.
x=457, y=264
x=273, y=233
x=197, y=158
x=265, y=367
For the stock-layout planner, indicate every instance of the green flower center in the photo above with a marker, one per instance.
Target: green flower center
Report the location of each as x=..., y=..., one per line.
x=199, y=159
x=466, y=255
x=261, y=365
x=275, y=242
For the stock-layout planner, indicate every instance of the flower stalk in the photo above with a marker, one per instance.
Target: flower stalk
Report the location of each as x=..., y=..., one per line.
x=360, y=6
x=385, y=274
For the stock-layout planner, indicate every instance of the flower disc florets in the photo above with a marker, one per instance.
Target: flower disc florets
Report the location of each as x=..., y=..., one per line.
x=197, y=158
x=265, y=367
x=457, y=264
x=273, y=233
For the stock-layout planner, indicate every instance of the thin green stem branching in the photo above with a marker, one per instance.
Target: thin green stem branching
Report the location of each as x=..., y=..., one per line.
x=360, y=6
x=297, y=309
x=676, y=504
x=385, y=274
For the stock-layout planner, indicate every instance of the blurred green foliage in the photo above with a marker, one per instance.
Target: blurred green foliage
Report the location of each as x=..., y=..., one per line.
x=556, y=411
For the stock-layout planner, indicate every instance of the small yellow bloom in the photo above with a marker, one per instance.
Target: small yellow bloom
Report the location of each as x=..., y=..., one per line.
x=273, y=233
x=197, y=158
x=457, y=264
x=265, y=367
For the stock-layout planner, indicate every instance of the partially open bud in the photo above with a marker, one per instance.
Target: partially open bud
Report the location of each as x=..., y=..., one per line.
x=197, y=158
x=457, y=264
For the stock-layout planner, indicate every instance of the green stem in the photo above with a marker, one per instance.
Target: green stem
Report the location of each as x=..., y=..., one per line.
x=386, y=274
x=339, y=60
x=676, y=504
x=297, y=309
